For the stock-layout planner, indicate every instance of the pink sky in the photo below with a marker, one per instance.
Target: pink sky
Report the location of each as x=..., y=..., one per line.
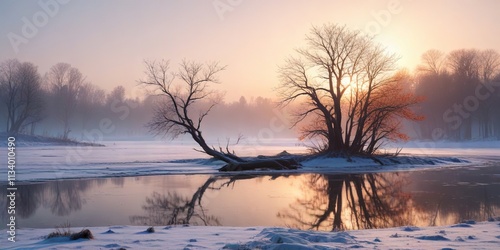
x=108, y=40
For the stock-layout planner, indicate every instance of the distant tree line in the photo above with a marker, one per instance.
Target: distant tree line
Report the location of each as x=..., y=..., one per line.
x=21, y=94
x=462, y=94
x=62, y=103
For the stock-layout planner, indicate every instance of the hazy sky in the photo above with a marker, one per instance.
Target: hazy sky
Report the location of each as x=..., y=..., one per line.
x=109, y=39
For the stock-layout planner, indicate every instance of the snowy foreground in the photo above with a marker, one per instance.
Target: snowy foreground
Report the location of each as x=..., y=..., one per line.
x=469, y=235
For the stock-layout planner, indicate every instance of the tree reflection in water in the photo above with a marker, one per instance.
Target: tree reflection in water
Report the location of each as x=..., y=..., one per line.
x=349, y=201
x=173, y=209
x=316, y=201
x=176, y=209
x=62, y=197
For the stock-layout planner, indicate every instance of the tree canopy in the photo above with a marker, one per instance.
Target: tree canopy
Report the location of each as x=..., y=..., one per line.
x=350, y=89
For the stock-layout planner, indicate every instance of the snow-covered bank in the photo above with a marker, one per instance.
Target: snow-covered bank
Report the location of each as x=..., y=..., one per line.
x=38, y=163
x=23, y=140
x=470, y=235
x=139, y=158
x=381, y=164
x=42, y=163
x=465, y=148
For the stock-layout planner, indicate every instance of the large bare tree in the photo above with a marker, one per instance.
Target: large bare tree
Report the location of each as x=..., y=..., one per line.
x=342, y=77
x=21, y=93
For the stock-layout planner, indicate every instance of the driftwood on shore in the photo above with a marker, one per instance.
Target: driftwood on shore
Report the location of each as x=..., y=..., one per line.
x=274, y=164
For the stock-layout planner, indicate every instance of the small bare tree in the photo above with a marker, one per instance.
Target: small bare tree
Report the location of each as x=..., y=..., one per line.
x=432, y=62
x=65, y=82
x=181, y=91
x=116, y=95
x=464, y=64
x=489, y=65
x=90, y=99
x=186, y=99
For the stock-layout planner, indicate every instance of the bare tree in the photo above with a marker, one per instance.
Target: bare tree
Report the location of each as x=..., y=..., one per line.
x=340, y=77
x=116, y=95
x=179, y=111
x=432, y=62
x=181, y=91
x=465, y=70
x=65, y=82
x=464, y=64
x=90, y=99
x=21, y=91
x=464, y=74
x=489, y=65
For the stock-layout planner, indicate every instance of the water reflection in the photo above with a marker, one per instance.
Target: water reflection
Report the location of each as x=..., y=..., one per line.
x=445, y=197
x=327, y=202
x=349, y=201
x=61, y=197
x=306, y=201
x=174, y=208
x=336, y=202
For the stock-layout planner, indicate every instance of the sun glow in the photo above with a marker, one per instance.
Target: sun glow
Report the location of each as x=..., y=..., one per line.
x=352, y=85
x=392, y=49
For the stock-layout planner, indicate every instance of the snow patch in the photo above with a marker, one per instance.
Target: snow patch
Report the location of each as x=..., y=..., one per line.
x=198, y=237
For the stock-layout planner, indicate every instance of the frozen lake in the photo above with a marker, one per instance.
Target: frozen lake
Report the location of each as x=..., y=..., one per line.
x=318, y=201
x=160, y=183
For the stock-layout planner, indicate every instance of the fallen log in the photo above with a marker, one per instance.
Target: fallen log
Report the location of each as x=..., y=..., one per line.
x=274, y=164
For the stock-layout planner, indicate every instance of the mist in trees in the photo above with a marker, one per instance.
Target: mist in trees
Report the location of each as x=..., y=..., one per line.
x=64, y=83
x=62, y=103
x=456, y=92
x=462, y=91
x=20, y=91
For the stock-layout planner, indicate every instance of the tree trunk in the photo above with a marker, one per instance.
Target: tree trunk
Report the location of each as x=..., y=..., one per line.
x=274, y=164
x=225, y=157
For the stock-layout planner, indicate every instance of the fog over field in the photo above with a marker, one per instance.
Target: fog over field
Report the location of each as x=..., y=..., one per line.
x=104, y=56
